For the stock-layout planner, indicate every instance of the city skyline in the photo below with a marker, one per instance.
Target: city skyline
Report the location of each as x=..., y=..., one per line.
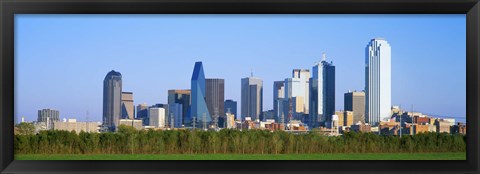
x=232, y=91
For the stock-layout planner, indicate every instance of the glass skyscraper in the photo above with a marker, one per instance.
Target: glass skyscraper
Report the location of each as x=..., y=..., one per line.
x=181, y=97
x=112, y=99
x=232, y=106
x=198, y=108
x=215, y=96
x=322, y=93
x=377, y=81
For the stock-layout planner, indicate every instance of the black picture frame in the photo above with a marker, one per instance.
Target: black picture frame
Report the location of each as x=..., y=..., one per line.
x=8, y=8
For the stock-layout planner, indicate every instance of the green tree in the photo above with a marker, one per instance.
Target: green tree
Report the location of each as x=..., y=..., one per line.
x=25, y=128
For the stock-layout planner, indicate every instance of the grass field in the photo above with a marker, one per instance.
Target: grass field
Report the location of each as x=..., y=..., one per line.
x=330, y=156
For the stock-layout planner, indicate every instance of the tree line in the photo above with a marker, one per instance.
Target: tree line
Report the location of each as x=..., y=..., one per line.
x=127, y=140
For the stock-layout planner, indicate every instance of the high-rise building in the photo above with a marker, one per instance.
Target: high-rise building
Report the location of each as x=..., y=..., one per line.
x=230, y=121
x=181, y=97
x=304, y=76
x=175, y=116
x=49, y=116
x=199, y=108
x=345, y=118
x=52, y=114
x=112, y=99
x=215, y=90
x=355, y=102
x=127, y=105
x=296, y=94
x=252, y=98
x=322, y=93
x=142, y=113
x=157, y=117
x=377, y=81
x=278, y=97
x=230, y=105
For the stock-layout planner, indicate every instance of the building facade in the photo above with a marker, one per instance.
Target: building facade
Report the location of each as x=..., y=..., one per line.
x=128, y=108
x=322, y=93
x=377, y=81
x=199, y=110
x=157, y=117
x=137, y=124
x=49, y=116
x=278, y=100
x=215, y=97
x=252, y=98
x=230, y=106
x=73, y=125
x=112, y=99
x=176, y=115
x=142, y=113
x=355, y=102
x=181, y=97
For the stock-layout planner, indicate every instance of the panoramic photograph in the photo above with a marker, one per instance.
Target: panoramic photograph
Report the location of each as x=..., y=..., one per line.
x=240, y=87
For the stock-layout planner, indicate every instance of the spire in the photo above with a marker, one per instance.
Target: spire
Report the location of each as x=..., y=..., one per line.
x=251, y=72
x=324, y=56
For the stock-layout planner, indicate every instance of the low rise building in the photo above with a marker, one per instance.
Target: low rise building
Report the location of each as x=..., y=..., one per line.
x=137, y=124
x=73, y=125
x=361, y=128
x=443, y=126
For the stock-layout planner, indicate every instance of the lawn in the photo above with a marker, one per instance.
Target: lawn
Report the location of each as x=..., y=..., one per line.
x=328, y=156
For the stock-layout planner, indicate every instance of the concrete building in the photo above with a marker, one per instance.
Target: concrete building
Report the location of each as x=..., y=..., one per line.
x=112, y=99
x=230, y=121
x=345, y=118
x=181, y=97
x=322, y=93
x=199, y=110
x=48, y=116
x=215, y=97
x=137, y=124
x=252, y=97
x=127, y=106
x=73, y=125
x=378, y=81
x=142, y=113
x=442, y=126
x=157, y=117
x=361, y=128
x=459, y=128
x=355, y=102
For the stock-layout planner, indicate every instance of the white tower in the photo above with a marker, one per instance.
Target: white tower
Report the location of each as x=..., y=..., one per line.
x=377, y=81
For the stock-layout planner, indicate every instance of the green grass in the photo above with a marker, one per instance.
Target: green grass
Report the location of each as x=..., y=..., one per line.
x=329, y=156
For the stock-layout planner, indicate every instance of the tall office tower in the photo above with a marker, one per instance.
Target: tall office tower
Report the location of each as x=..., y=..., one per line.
x=252, y=98
x=198, y=108
x=181, y=97
x=322, y=93
x=278, y=97
x=127, y=105
x=377, y=81
x=355, y=102
x=215, y=90
x=230, y=105
x=49, y=116
x=112, y=99
x=296, y=94
x=142, y=113
x=52, y=114
x=157, y=117
x=175, y=116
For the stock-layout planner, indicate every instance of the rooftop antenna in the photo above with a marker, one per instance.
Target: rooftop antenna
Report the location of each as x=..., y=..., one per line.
x=324, y=56
x=251, y=72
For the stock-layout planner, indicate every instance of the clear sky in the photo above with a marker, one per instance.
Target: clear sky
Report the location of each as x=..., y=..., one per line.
x=61, y=60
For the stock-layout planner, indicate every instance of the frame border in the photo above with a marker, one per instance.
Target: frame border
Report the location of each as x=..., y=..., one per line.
x=8, y=9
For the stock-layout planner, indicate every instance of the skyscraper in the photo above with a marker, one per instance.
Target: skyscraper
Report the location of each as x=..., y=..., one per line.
x=377, y=81
x=112, y=99
x=355, y=102
x=296, y=95
x=232, y=106
x=157, y=117
x=127, y=105
x=215, y=90
x=49, y=116
x=181, y=97
x=278, y=97
x=142, y=113
x=322, y=93
x=252, y=98
x=198, y=106
x=175, y=116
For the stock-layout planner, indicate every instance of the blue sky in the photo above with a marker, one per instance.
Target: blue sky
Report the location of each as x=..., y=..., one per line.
x=61, y=60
